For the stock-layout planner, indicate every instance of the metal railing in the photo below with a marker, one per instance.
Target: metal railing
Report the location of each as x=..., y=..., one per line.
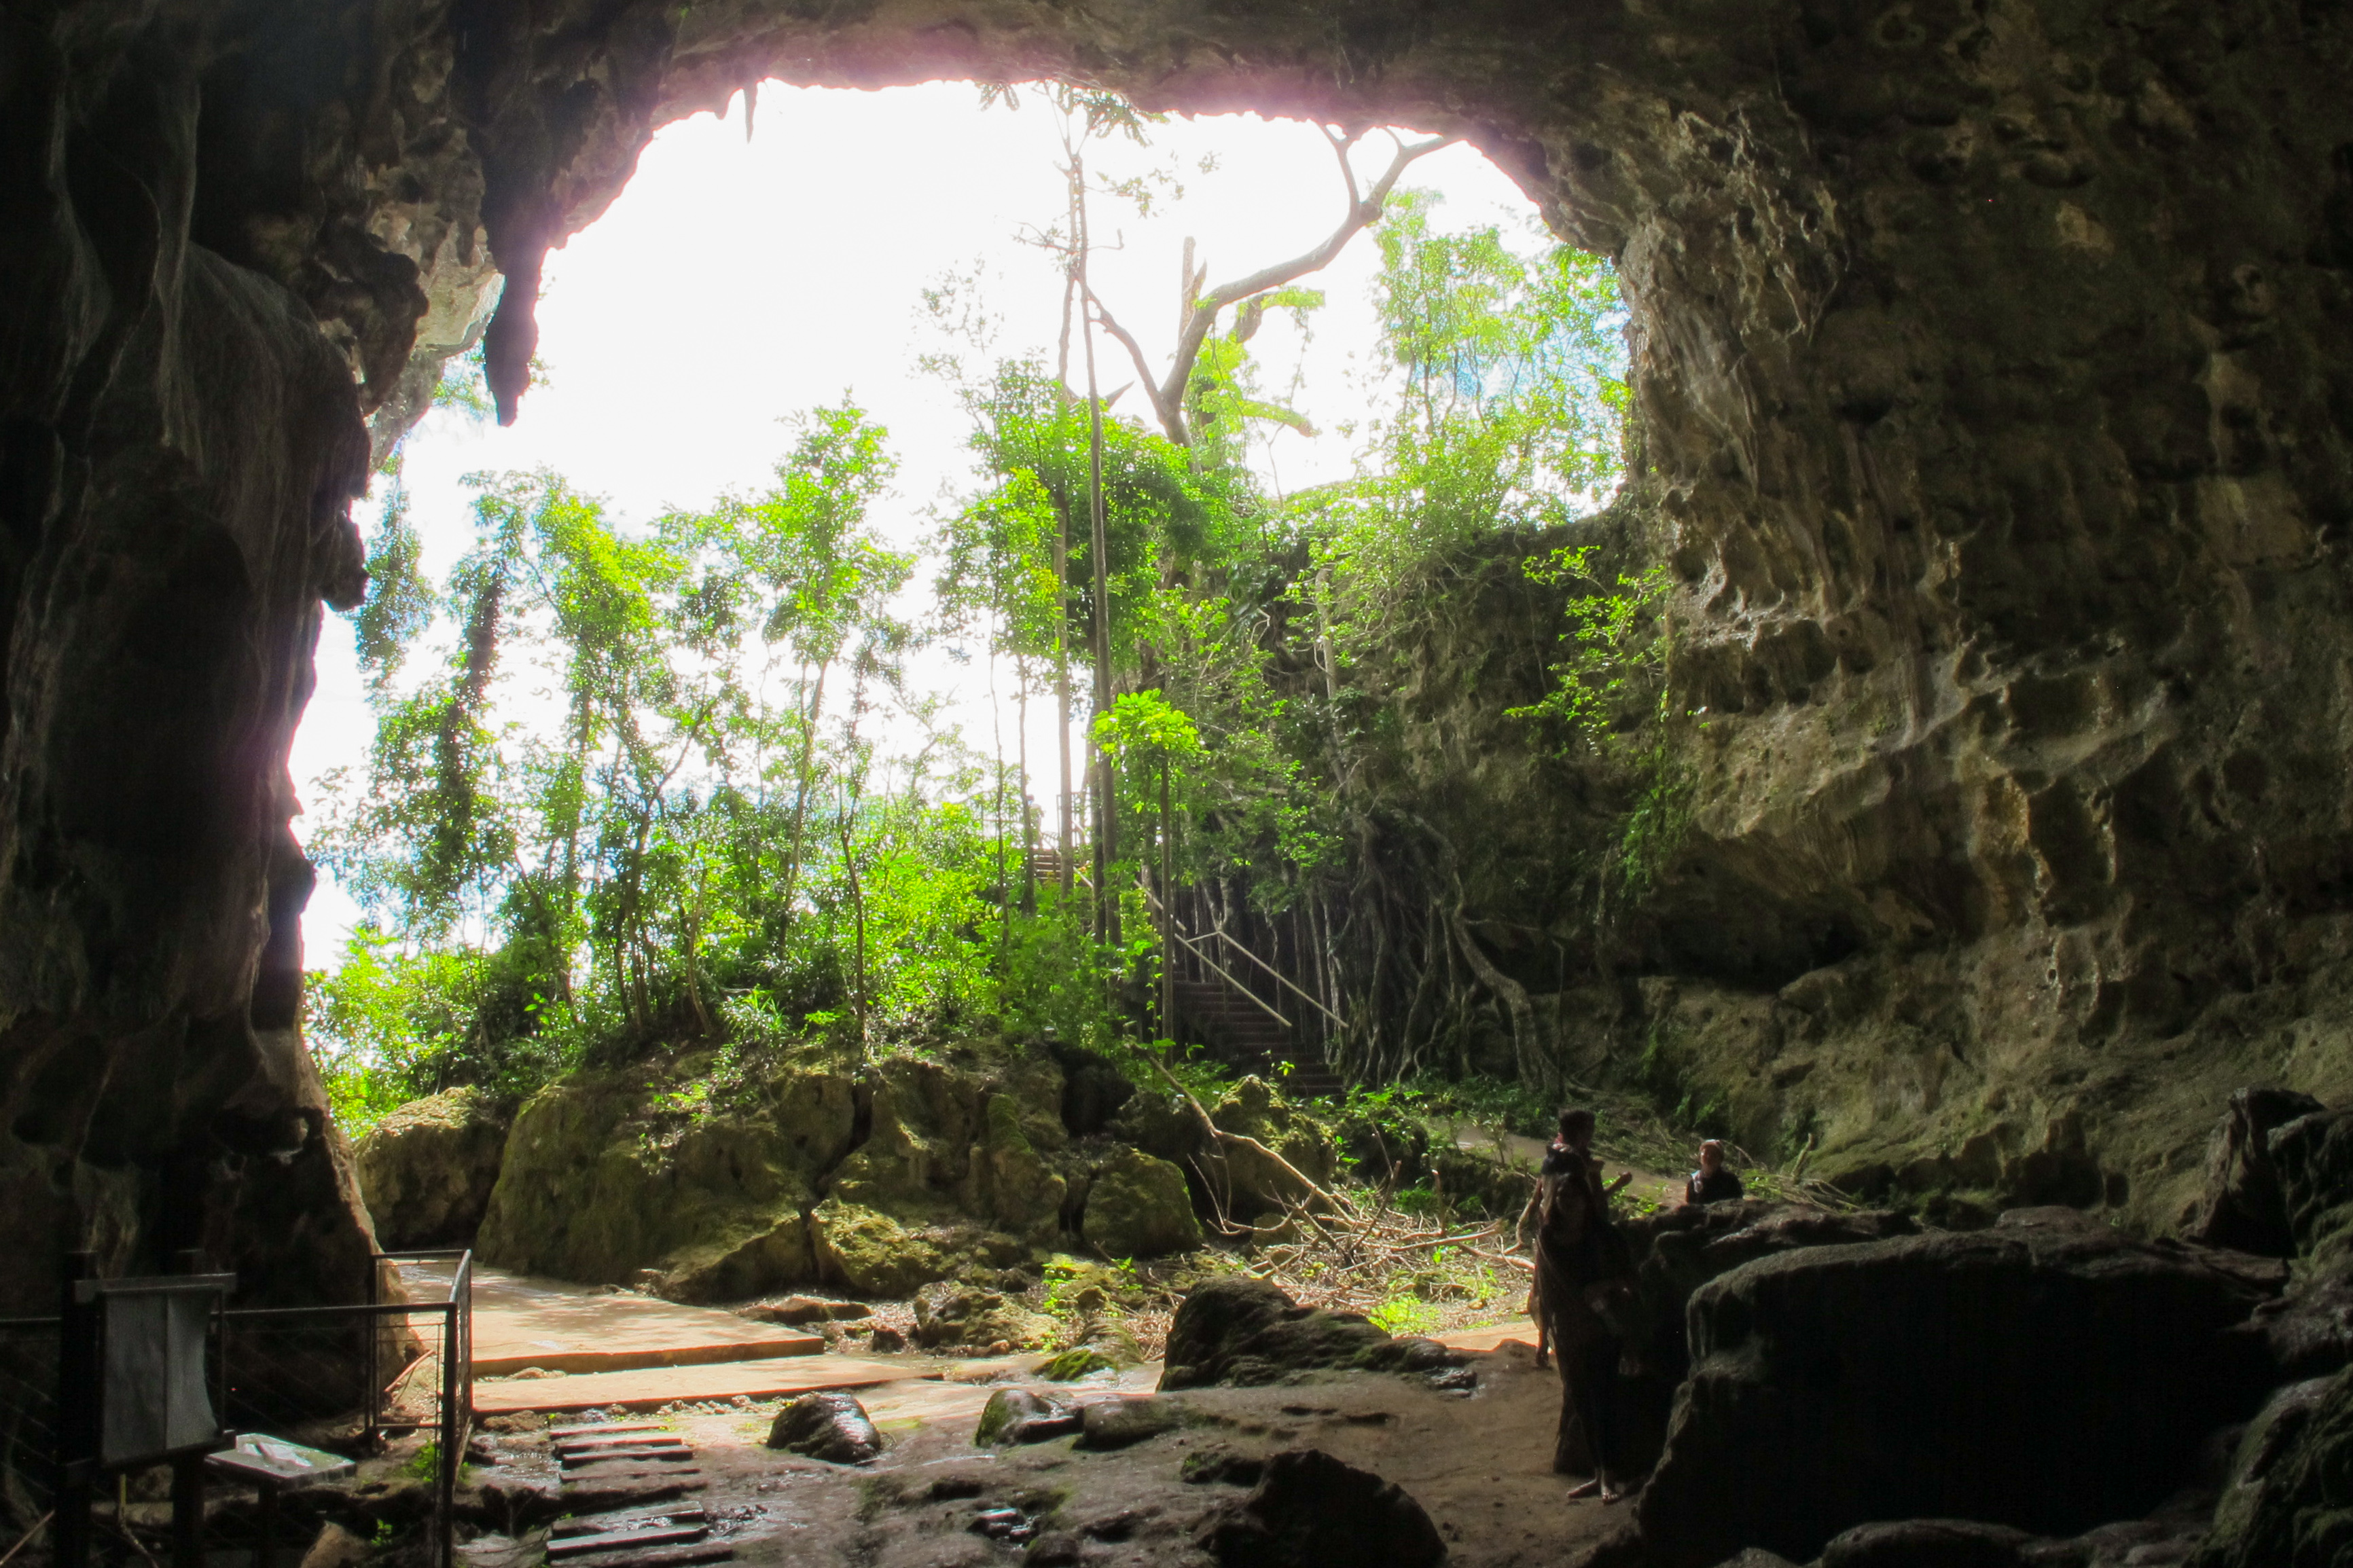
x=347, y=1378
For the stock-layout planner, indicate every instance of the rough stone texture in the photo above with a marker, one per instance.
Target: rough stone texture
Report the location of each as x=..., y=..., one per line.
x=2242, y=1206
x=2289, y=1503
x=1992, y=415
x=601, y=1181
x=1227, y=1179
x=950, y=1314
x=2047, y=1375
x=1679, y=1249
x=829, y=1427
x=427, y=1169
x=1123, y=1422
x=1238, y=1330
x=1310, y=1511
x=1018, y=1415
x=1138, y=1206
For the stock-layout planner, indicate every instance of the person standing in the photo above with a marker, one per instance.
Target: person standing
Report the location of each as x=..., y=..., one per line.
x=1580, y=1256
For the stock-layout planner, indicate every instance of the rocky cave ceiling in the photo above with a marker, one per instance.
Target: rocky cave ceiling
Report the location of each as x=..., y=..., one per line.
x=1993, y=392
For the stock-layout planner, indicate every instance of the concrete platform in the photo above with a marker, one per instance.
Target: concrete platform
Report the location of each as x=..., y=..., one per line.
x=651, y=1387
x=519, y=1323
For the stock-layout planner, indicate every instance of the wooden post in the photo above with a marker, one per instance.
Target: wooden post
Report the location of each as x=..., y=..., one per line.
x=77, y=1413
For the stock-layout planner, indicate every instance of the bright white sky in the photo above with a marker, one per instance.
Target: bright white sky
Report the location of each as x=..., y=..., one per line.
x=731, y=285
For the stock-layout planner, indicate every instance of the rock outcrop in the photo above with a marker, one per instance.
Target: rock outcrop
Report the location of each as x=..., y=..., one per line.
x=1242, y=1331
x=1312, y=1510
x=2048, y=1374
x=428, y=1169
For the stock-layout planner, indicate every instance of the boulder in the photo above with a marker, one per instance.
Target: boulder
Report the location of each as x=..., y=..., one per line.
x=1239, y=1180
x=605, y=1178
x=428, y=1169
x=1240, y=1331
x=1123, y=1422
x=2242, y=1206
x=1310, y=1511
x=2289, y=1501
x=1018, y=1415
x=870, y=1252
x=1138, y=1206
x=829, y=1427
x=947, y=1313
x=2047, y=1373
x=1929, y=1543
x=2313, y=1156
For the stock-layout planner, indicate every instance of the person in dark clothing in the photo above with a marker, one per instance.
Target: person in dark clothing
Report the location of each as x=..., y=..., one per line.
x=1714, y=1181
x=1580, y=1259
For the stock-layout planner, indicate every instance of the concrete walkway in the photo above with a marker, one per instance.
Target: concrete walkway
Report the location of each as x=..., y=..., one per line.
x=523, y=1323
x=652, y=1387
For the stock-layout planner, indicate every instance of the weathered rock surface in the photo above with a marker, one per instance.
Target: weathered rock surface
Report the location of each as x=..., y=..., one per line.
x=1676, y=1251
x=428, y=1169
x=948, y=1314
x=2242, y=1206
x=2047, y=1375
x=602, y=1180
x=1138, y=1206
x=1235, y=1180
x=829, y=1427
x=1238, y=1330
x=1310, y=1511
x=2289, y=1498
x=1015, y=1416
x=1123, y=1422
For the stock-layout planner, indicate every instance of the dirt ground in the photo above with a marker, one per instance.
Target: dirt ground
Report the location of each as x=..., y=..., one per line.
x=1477, y=1461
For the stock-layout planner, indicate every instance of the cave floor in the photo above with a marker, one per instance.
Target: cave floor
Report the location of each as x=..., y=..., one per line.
x=1480, y=1463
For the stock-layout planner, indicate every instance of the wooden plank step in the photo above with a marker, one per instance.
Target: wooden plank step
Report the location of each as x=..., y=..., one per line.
x=643, y=1472
x=679, y=1456
x=603, y=1497
x=603, y=1429
x=605, y=1523
x=585, y=1445
x=624, y=1540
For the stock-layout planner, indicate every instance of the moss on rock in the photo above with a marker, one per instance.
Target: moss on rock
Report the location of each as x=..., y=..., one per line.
x=870, y=1253
x=428, y=1169
x=1138, y=1206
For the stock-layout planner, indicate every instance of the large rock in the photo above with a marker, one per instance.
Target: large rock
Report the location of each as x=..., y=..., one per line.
x=2047, y=1373
x=1310, y=1511
x=869, y=1253
x=603, y=1178
x=2242, y=1206
x=1236, y=1180
x=1236, y=1330
x=950, y=1314
x=426, y=1170
x=1138, y=1206
x=826, y=1425
x=1679, y=1249
x=2313, y=1156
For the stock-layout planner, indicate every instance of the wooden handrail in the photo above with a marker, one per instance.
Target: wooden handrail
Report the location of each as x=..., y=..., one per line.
x=1220, y=933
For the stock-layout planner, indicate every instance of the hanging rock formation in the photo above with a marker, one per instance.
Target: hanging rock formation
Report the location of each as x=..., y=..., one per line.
x=1992, y=403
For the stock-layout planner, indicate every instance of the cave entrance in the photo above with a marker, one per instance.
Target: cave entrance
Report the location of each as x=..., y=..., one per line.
x=804, y=249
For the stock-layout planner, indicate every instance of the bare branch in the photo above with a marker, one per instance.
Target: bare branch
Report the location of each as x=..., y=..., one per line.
x=1168, y=398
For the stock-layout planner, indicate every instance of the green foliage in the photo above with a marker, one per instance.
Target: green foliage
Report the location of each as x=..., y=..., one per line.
x=1405, y=1315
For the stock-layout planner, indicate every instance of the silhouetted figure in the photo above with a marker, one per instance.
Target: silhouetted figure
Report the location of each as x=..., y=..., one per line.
x=1714, y=1181
x=1581, y=1261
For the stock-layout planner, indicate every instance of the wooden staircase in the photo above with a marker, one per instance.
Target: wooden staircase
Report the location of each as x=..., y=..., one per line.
x=1239, y=1027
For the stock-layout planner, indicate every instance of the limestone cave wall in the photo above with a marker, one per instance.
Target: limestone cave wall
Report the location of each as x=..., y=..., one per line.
x=1993, y=394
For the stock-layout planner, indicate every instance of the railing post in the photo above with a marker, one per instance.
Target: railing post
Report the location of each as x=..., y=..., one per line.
x=78, y=1415
x=371, y=1430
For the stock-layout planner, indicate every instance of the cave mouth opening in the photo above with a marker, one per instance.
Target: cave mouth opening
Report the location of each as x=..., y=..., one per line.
x=737, y=282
